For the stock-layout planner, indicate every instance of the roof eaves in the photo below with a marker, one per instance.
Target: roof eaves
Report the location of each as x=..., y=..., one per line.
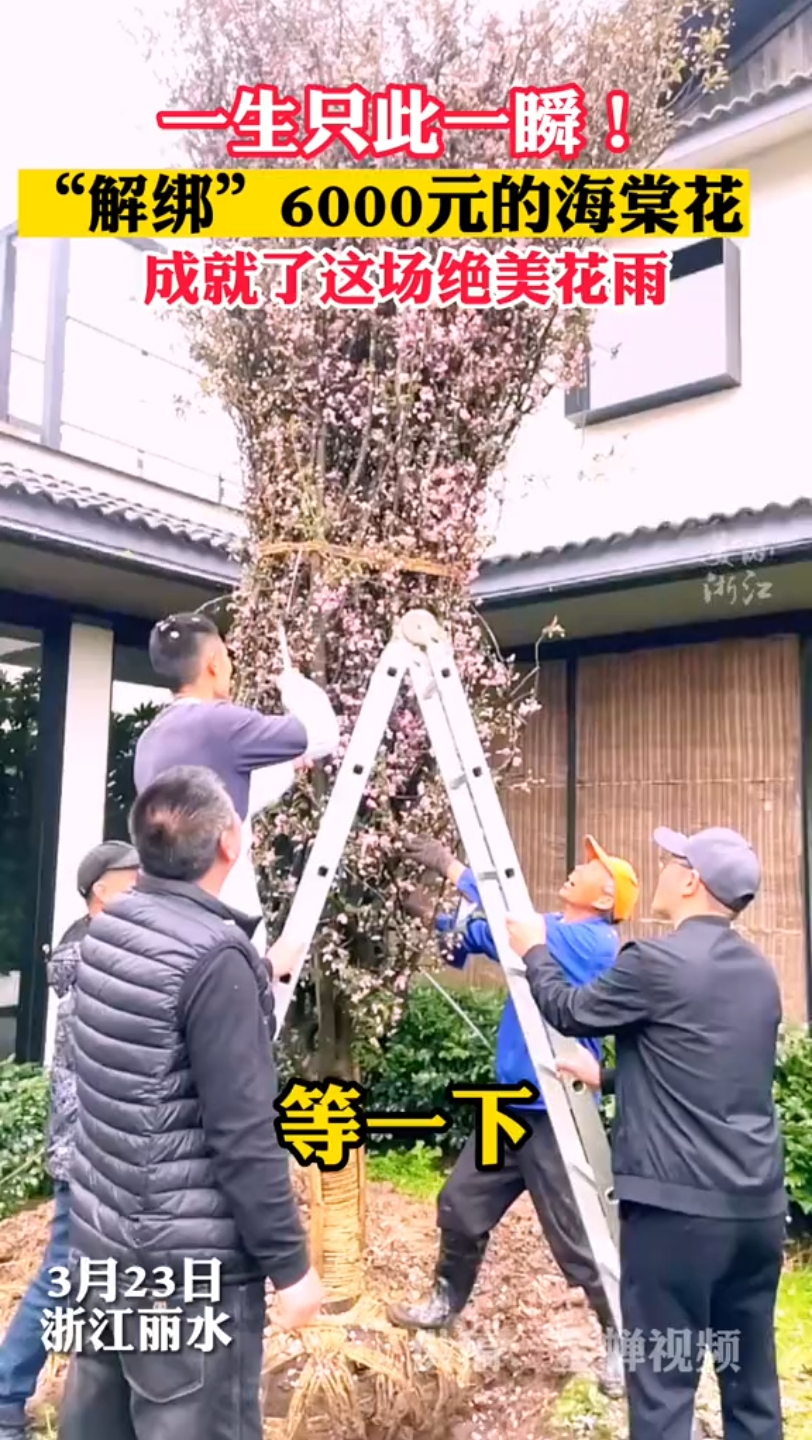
x=662, y=550
x=64, y=495
x=741, y=104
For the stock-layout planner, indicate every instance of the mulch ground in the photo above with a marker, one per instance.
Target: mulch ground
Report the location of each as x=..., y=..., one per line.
x=523, y=1317
x=530, y=1330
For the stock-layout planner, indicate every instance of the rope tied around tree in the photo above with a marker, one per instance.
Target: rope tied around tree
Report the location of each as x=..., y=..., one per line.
x=370, y=558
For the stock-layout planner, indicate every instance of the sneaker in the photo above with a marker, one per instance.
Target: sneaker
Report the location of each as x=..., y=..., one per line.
x=611, y=1380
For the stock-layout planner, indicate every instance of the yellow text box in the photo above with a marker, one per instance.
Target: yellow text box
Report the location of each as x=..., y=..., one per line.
x=390, y=204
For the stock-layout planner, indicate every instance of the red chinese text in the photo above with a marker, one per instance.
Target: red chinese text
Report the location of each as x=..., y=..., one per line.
x=546, y=122
x=471, y=275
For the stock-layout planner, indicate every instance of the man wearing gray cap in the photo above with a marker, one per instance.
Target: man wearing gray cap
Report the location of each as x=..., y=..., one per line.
x=697, y=1151
x=106, y=871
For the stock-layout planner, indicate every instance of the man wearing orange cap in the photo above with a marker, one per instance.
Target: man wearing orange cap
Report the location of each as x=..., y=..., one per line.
x=598, y=895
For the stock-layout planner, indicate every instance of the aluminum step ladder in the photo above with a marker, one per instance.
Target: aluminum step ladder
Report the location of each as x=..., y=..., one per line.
x=421, y=650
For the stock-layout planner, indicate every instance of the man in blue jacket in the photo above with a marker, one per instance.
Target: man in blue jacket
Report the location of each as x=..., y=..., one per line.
x=598, y=895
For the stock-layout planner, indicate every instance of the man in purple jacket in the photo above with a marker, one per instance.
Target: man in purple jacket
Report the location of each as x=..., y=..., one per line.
x=254, y=755
x=202, y=726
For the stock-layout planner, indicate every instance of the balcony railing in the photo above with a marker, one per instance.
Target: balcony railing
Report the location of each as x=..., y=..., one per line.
x=87, y=369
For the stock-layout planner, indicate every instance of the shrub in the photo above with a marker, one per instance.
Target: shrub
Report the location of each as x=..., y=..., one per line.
x=431, y=1048
x=793, y=1094
x=433, y=1045
x=793, y=1098
x=24, y=1106
x=608, y=1101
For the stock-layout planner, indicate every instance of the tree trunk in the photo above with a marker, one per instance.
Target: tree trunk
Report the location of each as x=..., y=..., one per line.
x=337, y=1230
x=337, y=1198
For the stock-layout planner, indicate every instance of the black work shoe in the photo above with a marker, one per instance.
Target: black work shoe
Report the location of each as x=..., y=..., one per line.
x=455, y=1277
x=435, y=1313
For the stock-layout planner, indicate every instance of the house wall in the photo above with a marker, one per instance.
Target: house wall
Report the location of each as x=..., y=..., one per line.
x=90, y=371
x=693, y=736
x=703, y=733
x=745, y=443
x=536, y=803
x=686, y=736
x=716, y=454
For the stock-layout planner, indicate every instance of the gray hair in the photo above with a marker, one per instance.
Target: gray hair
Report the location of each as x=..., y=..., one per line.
x=177, y=821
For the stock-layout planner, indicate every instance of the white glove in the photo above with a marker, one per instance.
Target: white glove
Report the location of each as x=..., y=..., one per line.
x=269, y=785
x=310, y=704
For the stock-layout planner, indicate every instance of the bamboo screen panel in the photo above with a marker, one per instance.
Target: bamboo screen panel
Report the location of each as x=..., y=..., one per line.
x=694, y=736
x=538, y=817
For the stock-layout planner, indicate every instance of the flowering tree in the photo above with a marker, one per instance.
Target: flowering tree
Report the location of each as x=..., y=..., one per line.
x=371, y=435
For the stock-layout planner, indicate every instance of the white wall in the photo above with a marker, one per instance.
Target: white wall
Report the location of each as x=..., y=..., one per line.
x=741, y=447
x=132, y=396
x=126, y=697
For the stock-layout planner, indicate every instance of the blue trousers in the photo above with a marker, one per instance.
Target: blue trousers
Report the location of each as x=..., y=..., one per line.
x=22, y=1353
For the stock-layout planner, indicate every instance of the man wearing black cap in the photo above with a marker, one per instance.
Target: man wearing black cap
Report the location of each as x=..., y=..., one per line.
x=106, y=871
x=697, y=1151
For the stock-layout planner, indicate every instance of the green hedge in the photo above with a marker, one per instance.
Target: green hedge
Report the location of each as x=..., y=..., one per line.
x=431, y=1047
x=793, y=1098
x=793, y=1094
x=24, y=1101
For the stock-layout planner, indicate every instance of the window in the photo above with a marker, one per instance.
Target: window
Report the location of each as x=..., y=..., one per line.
x=641, y=359
x=136, y=699
x=123, y=389
x=29, y=331
x=132, y=395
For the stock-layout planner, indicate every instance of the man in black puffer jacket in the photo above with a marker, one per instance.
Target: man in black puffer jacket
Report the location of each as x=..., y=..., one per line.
x=177, y=1163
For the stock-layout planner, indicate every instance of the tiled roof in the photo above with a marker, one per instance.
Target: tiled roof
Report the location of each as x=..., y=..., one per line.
x=777, y=67
x=64, y=494
x=565, y=489
x=642, y=533
x=735, y=105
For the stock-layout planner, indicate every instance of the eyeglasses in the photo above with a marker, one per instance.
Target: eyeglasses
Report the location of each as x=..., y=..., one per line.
x=666, y=860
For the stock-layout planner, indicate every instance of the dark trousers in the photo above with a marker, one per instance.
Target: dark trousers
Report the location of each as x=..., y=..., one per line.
x=473, y=1202
x=190, y=1395
x=687, y=1284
